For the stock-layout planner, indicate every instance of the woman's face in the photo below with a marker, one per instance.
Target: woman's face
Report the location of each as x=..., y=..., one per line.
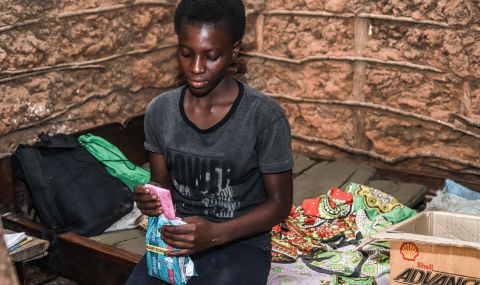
x=205, y=53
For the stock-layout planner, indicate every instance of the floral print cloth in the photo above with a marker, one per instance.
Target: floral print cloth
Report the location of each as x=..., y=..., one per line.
x=320, y=229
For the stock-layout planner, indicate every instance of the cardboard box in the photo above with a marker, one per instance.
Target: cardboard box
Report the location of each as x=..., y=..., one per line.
x=435, y=248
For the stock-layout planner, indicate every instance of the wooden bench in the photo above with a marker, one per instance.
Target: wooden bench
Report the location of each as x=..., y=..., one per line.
x=89, y=261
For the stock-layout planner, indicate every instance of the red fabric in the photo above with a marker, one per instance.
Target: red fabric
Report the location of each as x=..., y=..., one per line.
x=310, y=207
x=340, y=195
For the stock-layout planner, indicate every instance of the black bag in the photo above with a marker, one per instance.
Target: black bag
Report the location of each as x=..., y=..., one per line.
x=70, y=189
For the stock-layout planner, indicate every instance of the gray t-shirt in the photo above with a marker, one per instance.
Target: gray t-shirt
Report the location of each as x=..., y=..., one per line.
x=216, y=173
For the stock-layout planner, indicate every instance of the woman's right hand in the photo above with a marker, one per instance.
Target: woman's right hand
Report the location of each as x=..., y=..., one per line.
x=147, y=203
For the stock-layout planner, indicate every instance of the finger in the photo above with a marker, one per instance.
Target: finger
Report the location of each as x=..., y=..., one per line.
x=140, y=189
x=142, y=194
x=148, y=205
x=146, y=198
x=179, y=252
x=178, y=230
x=152, y=213
x=177, y=244
x=177, y=237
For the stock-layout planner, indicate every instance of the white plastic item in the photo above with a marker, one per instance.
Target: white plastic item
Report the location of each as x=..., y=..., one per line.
x=446, y=201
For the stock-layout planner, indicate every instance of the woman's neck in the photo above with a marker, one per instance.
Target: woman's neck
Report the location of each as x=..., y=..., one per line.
x=224, y=93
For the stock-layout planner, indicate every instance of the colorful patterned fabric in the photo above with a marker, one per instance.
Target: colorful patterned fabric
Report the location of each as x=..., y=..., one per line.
x=336, y=204
x=378, y=259
x=376, y=202
x=369, y=228
x=317, y=231
x=340, y=280
x=321, y=224
x=371, y=261
x=291, y=240
x=346, y=263
x=283, y=251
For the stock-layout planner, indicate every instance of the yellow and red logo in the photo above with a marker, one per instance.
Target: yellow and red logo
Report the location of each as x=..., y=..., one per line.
x=409, y=251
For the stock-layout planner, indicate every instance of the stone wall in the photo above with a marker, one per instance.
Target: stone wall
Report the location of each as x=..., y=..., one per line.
x=395, y=83
x=71, y=65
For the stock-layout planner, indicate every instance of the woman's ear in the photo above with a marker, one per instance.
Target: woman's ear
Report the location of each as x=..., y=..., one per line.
x=236, y=48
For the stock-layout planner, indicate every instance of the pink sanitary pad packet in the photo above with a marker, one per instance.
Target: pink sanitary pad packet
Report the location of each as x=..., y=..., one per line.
x=165, y=198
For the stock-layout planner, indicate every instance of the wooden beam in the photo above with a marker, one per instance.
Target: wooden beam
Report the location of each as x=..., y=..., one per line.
x=14, y=193
x=395, y=173
x=359, y=79
x=7, y=202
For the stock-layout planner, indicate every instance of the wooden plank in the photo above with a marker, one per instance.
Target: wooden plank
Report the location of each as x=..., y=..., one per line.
x=14, y=193
x=89, y=262
x=79, y=258
x=7, y=203
x=427, y=179
x=133, y=141
x=431, y=180
x=302, y=163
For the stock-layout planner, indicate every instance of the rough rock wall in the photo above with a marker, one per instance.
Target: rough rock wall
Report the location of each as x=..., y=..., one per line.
x=393, y=82
x=396, y=83
x=71, y=65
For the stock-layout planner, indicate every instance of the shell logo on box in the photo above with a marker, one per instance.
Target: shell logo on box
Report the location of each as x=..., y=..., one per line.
x=420, y=273
x=409, y=251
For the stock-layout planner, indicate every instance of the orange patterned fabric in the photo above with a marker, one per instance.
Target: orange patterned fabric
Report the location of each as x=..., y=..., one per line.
x=320, y=224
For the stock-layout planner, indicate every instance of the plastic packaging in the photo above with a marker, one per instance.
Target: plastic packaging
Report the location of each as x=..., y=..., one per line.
x=455, y=198
x=174, y=270
x=165, y=198
x=460, y=190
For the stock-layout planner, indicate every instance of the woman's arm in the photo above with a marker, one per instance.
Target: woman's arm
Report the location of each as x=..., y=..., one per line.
x=160, y=176
x=199, y=234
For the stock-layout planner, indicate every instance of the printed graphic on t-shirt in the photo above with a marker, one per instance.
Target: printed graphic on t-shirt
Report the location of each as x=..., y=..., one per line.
x=203, y=182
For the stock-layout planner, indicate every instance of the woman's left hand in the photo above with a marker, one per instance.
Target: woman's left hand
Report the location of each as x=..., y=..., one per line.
x=197, y=235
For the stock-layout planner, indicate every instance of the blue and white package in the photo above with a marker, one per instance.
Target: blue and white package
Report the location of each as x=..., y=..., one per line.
x=174, y=270
x=460, y=190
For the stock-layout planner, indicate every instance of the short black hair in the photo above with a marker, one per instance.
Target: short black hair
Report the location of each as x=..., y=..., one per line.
x=198, y=12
